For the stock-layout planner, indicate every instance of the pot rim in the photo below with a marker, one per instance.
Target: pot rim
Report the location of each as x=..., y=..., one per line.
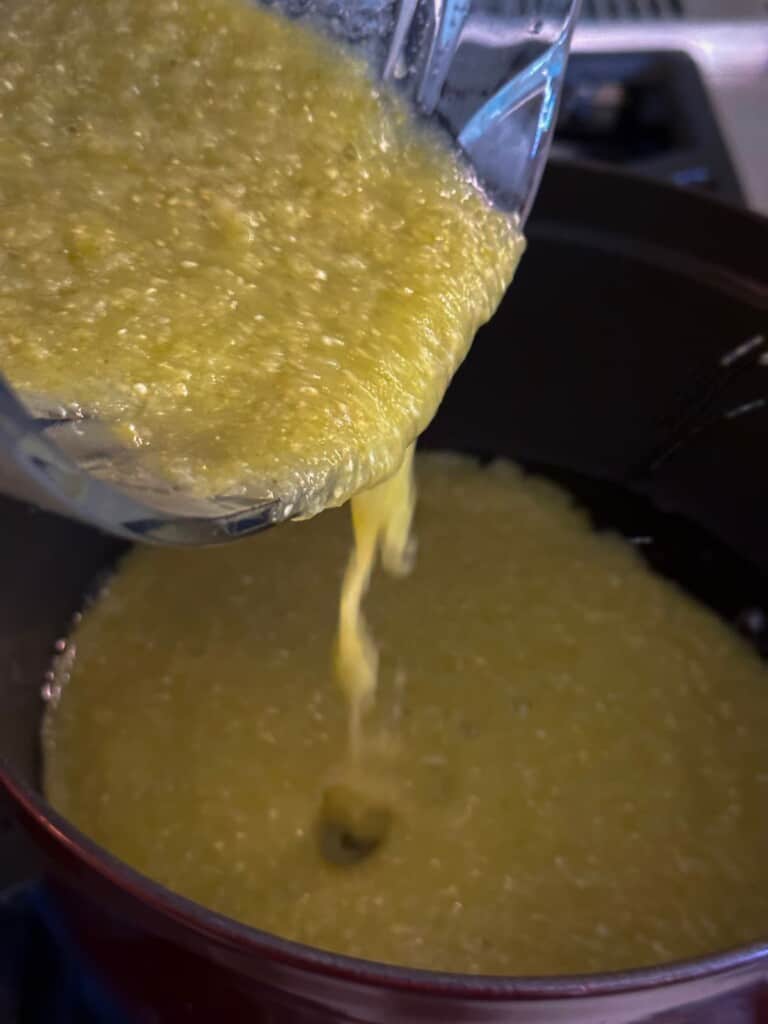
x=247, y=939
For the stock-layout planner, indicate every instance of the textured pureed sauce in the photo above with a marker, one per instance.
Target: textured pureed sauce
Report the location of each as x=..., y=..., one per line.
x=574, y=752
x=223, y=239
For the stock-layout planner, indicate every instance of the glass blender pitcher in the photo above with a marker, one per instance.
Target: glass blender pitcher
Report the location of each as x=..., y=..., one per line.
x=486, y=72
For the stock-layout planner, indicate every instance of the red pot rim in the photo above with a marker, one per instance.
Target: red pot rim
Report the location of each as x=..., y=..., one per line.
x=245, y=938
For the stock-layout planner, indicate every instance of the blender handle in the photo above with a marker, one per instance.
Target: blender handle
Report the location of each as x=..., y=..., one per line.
x=513, y=180
x=507, y=137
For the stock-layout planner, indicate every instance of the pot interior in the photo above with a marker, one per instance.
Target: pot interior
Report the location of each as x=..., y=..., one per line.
x=624, y=363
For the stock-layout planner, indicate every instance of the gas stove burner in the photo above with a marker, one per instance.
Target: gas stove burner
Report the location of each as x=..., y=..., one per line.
x=647, y=112
x=42, y=979
x=706, y=80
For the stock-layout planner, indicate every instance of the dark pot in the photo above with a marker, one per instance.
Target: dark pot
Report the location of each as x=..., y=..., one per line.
x=608, y=365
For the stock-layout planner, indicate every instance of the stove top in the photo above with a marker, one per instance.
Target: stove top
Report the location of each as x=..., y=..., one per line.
x=647, y=112
x=726, y=42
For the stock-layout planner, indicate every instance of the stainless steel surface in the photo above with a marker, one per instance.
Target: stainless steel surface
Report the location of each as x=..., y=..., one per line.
x=728, y=42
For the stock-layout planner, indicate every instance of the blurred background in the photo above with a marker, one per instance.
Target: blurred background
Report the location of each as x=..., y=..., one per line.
x=673, y=89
